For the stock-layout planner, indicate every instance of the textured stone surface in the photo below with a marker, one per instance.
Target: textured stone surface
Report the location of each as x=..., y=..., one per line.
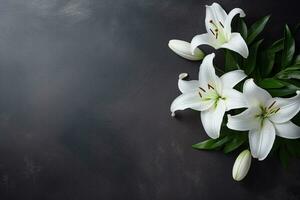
x=85, y=89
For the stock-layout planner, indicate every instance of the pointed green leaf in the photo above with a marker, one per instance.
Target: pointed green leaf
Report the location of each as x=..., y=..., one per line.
x=230, y=61
x=277, y=46
x=281, y=92
x=271, y=83
x=205, y=145
x=292, y=82
x=235, y=143
x=297, y=60
x=266, y=61
x=256, y=29
x=221, y=142
x=250, y=62
x=292, y=67
x=289, y=75
x=211, y=144
x=288, y=49
x=267, y=57
x=242, y=28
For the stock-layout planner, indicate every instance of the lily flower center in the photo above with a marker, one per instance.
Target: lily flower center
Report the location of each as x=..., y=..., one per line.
x=266, y=112
x=209, y=94
x=217, y=29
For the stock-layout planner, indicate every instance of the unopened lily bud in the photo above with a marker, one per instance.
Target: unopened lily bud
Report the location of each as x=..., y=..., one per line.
x=183, y=49
x=241, y=165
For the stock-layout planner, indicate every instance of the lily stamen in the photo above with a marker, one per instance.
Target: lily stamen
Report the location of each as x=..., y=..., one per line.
x=212, y=31
x=200, y=94
x=272, y=105
x=202, y=89
x=217, y=33
x=221, y=24
x=210, y=87
x=277, y=110
x=212, y=22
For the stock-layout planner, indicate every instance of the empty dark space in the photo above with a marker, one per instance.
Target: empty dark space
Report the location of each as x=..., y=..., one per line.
x=85, y=90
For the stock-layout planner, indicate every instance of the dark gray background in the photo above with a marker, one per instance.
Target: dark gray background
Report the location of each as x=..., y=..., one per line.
x=85, y=90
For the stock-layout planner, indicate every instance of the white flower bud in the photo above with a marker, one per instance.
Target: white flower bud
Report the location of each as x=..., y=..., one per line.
x=241, y=165
x=183, y=49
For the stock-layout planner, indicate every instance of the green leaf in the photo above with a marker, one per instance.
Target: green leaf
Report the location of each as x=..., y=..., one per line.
x=291, y=82
x=256, y=29
x=277, y=46
x=297, y=60
x=271, y=83
x=230, y=61
x=221, y=142
x=281, y=92
x=242, y=28
x=250, y=62
x=267, y=57
x=288, y=49
x=257, y=74
x=235, y=142
x=284, y=74
x=292, y=68
x=211, y=144
x=289, y=75
x=205, y=145
x=266, y=60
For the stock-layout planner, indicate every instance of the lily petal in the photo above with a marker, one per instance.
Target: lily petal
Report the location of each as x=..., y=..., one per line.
x=287, y=130
x=288, y=108
x=190, y=100
x=188, y=86
x=231, y=15
x=244, y=121
x=216, y=14
x=183, y=49
x=219, y=12
x=230, y=79
x=237, y=43
x=262, y=140
x=212, y=119
x=255, y=95
x=234, y=99
x=203, y=39
x=207, y=74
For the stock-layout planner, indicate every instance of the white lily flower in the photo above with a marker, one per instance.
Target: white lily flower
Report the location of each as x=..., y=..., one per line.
x=241, y=165
x=265, y=118
x=210, y=94
x=183, y=49
x=219, y=35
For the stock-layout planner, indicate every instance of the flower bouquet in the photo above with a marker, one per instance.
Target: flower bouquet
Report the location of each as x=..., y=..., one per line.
x=254, y=98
